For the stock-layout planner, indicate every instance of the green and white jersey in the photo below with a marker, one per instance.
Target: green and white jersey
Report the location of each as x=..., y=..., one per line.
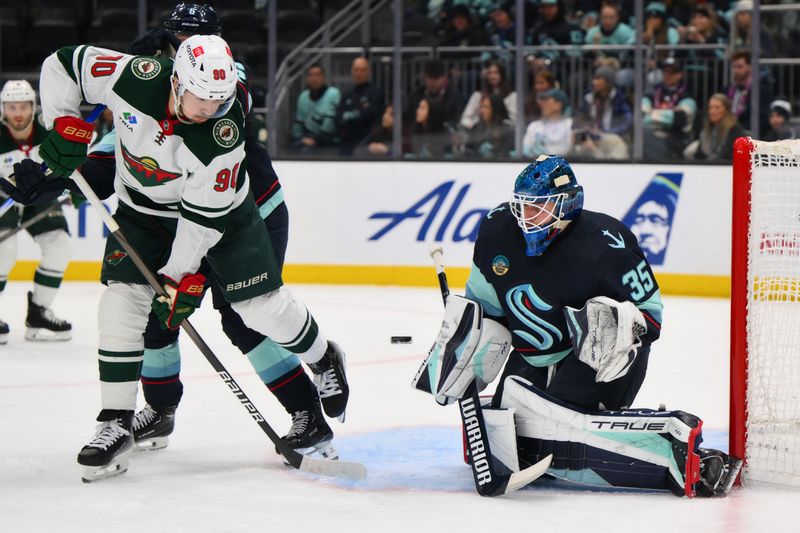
x=12, y=151
x=193, y=172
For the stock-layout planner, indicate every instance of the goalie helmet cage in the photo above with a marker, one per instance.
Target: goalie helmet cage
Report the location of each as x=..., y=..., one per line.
x=765, y=311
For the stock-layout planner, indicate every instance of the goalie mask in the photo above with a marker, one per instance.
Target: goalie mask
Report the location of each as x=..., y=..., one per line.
x=193, y=19
x=546, y=199
x=204, y=66
x=17, y=91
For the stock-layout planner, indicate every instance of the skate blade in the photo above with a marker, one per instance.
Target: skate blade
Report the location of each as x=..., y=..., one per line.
x=151, y=444
x=4, y=338
x=45, y=335
x=340, y=418
x=323, y=450
x=115, y=468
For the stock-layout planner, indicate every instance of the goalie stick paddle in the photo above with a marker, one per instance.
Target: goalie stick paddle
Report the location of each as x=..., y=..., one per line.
x=34, y=219
x=488, y=481
x=323, y=467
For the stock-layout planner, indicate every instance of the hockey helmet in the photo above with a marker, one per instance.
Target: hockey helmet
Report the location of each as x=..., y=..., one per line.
x=16, y=91
x=546, y=199
x=193, y=19
x=204, y=66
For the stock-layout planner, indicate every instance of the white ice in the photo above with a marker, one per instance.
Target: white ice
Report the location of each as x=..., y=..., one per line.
x=220, y=473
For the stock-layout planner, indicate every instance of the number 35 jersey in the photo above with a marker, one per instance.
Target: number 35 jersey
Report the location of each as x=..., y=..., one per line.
x=193, y=172
x=596, y=255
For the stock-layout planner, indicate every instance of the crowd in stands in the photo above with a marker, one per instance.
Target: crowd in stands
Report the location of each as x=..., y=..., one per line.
x=679, y=120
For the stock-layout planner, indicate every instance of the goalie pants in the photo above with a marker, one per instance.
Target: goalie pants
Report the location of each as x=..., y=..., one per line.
x=243, y=253
x=574, y=381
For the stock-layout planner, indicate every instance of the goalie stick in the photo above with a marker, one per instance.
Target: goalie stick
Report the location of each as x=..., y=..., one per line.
x=488, y=482
x=323, y=467
x=34, y=219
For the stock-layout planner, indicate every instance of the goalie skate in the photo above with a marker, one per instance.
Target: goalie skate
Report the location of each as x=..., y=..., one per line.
x=107, y=453
x=718, y=472
x=152, y=427
x=43, y=325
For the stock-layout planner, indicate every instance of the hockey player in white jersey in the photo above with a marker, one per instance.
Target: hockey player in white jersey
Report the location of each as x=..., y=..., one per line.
x=180, y=170
x=20, y=135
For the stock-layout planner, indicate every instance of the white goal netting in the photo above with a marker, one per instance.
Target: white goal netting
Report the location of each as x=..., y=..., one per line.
x=773, y=315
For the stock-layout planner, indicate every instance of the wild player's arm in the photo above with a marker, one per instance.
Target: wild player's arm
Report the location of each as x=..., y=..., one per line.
x=213, y=189
x=78, y=73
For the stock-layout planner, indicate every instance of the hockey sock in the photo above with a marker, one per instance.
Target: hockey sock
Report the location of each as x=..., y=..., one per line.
x=281, y=372
x=161, y=375
x=162, y=392
x=56, y=252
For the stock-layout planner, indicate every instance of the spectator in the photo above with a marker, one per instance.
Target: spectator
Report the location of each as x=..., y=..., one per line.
x=493, y=81
x=780, y=113
x=552, y=135
x=379, y=141
x=743, y=23
x=704, y=29
x=462, y=29
x=739, y=91
x=657, y=31
x=543, y=81
x=437, y=89
x=720, y=129
x=606, y=118
x=430, y=135
x=315, y=122
x=553, y=28
x=669, y=112
x=493, y=135
x=503, y=29
x=611, y=29
x=360, y=109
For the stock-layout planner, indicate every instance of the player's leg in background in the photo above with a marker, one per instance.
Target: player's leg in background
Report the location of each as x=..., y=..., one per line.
x=8, y=256
x=52, y=236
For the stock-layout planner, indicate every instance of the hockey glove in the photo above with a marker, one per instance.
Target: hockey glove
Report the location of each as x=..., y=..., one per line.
x=184, y=298
x=65, y=147
x=153, y=42
x=32, y=186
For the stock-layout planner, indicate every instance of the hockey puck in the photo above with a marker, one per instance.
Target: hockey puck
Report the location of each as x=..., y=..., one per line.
x=401, y=340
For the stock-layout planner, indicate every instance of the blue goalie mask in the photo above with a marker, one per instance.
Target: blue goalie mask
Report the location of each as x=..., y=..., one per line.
x=546, y=199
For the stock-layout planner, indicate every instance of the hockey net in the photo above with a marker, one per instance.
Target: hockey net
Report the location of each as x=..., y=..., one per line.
x=765, y=311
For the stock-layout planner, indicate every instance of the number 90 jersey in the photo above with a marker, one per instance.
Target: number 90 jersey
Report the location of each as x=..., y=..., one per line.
x=596, y=255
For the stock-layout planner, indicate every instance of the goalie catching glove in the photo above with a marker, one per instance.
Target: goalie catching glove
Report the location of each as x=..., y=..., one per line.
x=605, y=335
x=469, y=347
x=66, y=145
x=184, y=298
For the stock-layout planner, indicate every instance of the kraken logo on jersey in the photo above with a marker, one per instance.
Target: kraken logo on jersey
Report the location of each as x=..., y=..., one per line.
x=146, y=169
x=145, y=68
x=523, y=302
x=226, y=133
x=650, y=218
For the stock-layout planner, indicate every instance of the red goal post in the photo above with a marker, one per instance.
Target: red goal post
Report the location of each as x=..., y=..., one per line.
x=765, y=311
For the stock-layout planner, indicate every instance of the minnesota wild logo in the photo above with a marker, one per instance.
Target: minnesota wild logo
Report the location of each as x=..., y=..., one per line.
x=146, y=169
x=115, y=257
x=226, y=133
x=145, y=68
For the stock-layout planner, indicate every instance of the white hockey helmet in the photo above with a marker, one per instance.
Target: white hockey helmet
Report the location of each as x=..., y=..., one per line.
x=204, y=66
x=16, y=91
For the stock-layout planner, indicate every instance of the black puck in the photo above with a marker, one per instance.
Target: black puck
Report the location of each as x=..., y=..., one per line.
x=401, y=340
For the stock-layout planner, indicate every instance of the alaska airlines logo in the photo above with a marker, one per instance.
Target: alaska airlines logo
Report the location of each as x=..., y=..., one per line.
x=650, y=218
x=524, y=302
x=146, y=169
x=428, y=208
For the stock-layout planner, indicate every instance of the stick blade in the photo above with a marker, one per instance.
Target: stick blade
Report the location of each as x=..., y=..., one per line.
x=527, y=476
x=327, y=467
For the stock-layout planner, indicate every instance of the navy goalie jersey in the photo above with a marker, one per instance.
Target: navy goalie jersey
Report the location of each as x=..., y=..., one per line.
x=596, y=255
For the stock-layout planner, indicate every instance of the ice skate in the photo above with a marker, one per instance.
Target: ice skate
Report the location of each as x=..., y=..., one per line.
x=107, y=453
x=718, y=472
x=152, y=427
x=310, y=434
x=43, y=325
x=3, y=332
x=331, y=381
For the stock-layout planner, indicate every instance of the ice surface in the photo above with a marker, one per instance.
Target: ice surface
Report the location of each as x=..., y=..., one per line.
x=220, y=473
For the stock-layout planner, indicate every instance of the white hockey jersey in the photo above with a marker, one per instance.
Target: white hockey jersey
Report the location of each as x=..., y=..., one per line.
x=194, y=172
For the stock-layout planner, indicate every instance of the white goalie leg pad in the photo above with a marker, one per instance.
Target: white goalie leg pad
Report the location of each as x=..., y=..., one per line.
x=469, y=347
x=285, y=320
x=605, y=335
x=502, y=434
x=661, y=439
x=121, y=321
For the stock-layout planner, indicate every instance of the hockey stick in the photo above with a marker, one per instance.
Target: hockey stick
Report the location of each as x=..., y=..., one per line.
x=323, y=467
x=488, y=482
x=34, y=219
x=9, y=201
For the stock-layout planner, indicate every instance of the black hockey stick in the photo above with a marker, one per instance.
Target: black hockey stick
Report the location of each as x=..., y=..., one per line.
x=324, y=467
x=34, y=219
x=488, y=481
